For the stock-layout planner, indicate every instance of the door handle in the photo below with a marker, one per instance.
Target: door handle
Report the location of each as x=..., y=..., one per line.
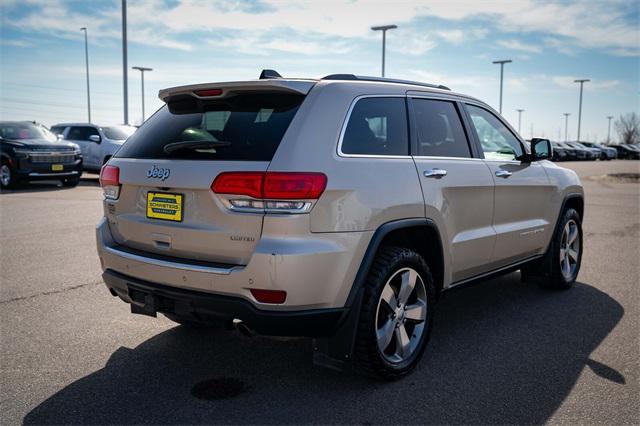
x=503, y=173
x=435, y=173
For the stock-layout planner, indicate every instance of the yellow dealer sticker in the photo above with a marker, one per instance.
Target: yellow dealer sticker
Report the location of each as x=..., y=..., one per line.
x=164, y=206
x=57, y=167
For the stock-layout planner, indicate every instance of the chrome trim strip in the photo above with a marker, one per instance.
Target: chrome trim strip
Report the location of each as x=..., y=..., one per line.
x=167, y=264
x=494, y=271
x=34, y=174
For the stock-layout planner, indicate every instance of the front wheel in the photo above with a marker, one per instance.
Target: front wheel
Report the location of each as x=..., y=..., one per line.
x=396, y=314
x=559, y=269
x=7, y=177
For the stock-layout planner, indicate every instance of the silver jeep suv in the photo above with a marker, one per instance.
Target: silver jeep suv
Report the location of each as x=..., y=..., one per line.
x=338, y=209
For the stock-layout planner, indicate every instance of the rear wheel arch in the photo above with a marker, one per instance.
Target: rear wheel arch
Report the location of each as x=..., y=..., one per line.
x=419, y=234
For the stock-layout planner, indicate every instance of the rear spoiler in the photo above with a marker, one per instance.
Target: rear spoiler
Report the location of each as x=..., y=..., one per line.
x=221, y=90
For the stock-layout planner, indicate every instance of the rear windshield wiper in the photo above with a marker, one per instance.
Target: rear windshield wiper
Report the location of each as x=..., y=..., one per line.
x=194, y=145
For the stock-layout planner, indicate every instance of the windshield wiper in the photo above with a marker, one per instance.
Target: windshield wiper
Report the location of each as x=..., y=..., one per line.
x=194, y=145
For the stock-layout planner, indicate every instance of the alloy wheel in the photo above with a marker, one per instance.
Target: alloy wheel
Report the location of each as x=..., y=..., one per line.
x=569, y=249
x=5, y=175
x=401, y=315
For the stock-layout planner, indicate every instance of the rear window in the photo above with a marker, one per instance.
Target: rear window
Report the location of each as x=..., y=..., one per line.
x=239, y=128
x=118, y=133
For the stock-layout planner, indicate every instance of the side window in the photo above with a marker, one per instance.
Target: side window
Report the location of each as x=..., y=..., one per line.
x=91, y=131
x=77, y=134
x=377, y=126
x=498, y=143
x=439, y=130
x=57, y=130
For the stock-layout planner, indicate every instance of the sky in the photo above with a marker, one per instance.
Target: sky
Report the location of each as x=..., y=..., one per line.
x=42, y=62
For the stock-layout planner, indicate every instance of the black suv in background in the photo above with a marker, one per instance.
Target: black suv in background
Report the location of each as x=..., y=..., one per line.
x=28, y=152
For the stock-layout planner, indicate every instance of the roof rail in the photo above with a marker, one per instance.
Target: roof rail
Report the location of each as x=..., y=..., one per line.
x=382, y=80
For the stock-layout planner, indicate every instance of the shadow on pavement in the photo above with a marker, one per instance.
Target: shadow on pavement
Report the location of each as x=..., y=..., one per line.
x=501, y=352
x=52, y=185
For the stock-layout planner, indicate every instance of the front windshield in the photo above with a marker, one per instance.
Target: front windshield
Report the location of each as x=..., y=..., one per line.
x=26, y=131
x=118, y=133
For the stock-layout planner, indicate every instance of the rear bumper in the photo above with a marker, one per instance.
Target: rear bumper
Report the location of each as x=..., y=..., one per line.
x=317, y=272
x=150, y=298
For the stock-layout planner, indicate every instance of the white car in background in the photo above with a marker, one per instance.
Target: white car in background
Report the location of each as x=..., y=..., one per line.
x=98, y=144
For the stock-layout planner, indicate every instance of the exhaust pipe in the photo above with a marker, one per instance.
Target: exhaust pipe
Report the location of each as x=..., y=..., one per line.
x=242, y=328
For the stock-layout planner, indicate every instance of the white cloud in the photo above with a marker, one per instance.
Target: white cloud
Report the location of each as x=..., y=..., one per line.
x=568, y=82
x=514, y=44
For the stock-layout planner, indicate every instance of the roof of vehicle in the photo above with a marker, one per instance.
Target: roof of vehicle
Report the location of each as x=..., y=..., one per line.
x=302, y=86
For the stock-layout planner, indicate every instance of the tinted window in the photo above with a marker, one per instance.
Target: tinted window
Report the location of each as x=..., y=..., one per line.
x=498, y=143
x=25, y=131
x=439, y=130
x=81, y=133
x=58, y=130
x=118, y=133
x=377, y=126
x=252, y=125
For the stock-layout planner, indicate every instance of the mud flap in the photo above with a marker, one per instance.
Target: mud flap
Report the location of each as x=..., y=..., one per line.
x=336, y=352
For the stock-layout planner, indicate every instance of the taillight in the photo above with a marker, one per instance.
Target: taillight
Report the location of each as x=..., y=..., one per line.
x=239, y=183
x=110, y=181
x=275, y=191
x=294, y=185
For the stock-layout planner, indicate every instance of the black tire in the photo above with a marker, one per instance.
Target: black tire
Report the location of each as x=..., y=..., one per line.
x=13, y=181
x=548, y=272
x=71, y=182
x=369, y=359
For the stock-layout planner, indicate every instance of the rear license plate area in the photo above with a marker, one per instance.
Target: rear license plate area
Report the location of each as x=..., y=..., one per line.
x=165, y=206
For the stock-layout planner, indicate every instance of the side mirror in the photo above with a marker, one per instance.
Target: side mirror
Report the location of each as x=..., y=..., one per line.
x=541, y=149
x=95, y=138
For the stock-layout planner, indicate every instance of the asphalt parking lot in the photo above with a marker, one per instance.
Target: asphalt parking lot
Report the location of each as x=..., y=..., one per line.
x=501, y=352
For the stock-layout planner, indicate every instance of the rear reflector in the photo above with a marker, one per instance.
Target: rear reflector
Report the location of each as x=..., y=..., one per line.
x=208, y=92
x=110, y=181
x=271, y=185
x=269, y=296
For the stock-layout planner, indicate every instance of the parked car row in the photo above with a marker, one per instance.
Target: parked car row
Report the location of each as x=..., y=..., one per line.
x=29, y=151
x=579, y=151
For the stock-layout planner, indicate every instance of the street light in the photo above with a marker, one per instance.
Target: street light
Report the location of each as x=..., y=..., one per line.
x=384, y=29
x=566, y=125
x=142, y=70
x=609, y=117
x=581, y=81
x=86, y=61
x=519, y=118
x=502, y=62
x=124, y=62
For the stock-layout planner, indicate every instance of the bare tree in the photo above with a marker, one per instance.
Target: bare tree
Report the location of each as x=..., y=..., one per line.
x=628, y=128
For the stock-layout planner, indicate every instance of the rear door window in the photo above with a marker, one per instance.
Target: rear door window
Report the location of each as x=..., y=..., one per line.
x=439, y=131
x=377, y=126
x=239, y=128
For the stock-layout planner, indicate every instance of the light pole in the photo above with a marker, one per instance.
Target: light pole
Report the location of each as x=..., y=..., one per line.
x=384, y=29
x=581, y=81
x=566, y=125
x=86, y=61
x=519, y=118
x=502, y=62
x=609, y=117
x=142, y=70
x=124, y=62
